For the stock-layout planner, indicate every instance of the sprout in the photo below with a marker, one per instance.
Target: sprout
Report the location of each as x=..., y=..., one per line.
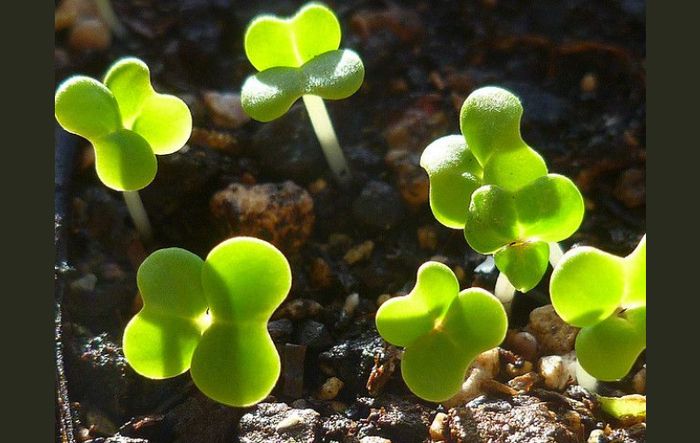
x=490, y=183
x=229, y=352
x=299, y=57
x=441, y=329
x=128, y=123
x=605, y=295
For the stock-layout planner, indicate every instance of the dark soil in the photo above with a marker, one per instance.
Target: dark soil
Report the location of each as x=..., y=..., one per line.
x=578, y=67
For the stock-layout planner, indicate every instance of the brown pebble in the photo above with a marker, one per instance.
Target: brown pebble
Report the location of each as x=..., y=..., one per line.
x=515, y=370
x=317, y=186
x=225, y=109
x=524, y=383
x=427, y=237
x=553, y=335
x=330, y=388
x=382, y=299
x=523, y=344
x=631, y=188
x=359, y=252
x=589, y=83
x=412, y=180
x=90, y=33
x=438, y=429
x=321, y=274
x=281, y=213
x=298, y=309
x=639, y=381
x=213, y=139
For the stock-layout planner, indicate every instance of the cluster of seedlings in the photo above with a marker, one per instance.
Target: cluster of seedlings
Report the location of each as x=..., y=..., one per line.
x=210, y=316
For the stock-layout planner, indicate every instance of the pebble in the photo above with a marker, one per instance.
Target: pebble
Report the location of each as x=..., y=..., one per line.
x=374, y=440
x=280, y=330
x=287, y=148
x=523, y=344
x=553, y=335
x=225, y=109
x=359, y=252
x=315, y=335
x=86, y=283
x=438, y=429
x=631, y=188
x=298, y=309
x=524, y=383
x=589, y=83
x=351, y=303
x=330, y=388
x=321, y=273
x=427, y=237
x=277, y=422
x=597, y=436
x=485, y=367
x=639, y=381
x=411, y=180
x=558, y=371
x=281, y=213
x=382, y=299
x=90, y=34
x=378, y=206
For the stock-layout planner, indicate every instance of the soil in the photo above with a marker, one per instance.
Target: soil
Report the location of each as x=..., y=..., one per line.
x=578, y=67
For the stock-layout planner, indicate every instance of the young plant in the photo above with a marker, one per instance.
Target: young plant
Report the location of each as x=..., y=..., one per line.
x=441, y=329
x=490, y=183
x=606, y=296
x=299, y=57
x=229, y=352
x=128, y=123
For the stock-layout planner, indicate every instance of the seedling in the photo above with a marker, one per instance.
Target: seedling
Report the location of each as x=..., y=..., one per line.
x=229, y=352
x=605, y=295
x=128, y=123
x=299, y=57
x=490, y=183
x=441, y=329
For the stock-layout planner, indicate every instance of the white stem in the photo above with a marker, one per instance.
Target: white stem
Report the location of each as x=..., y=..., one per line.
x=104, y=8
x=555, y=253
x=138, y=215
x=585, y=380
x=504, y=291
x=325, y=133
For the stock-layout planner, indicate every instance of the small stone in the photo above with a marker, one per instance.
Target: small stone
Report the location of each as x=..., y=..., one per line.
x=280, y=330
x=589, y=83
x=438, y=429
x=351, y=303
x=382, y=299
x=317, y=186
x=513, y=370
x=86, y=283
x=277, y=422
x=90, y=34
x=374, y=440
x=524, y=383
x=315, y=335
x=321, y=274
x=384, y=365
x=378, y=206
x=631, y=188
x=485, y=367
x=459, y=273
x=298, y=309
x=330, y=388
x=225, y=109
x=281, y=213
x=553, y=335
x=359, y=252
x=558, y=371
x=523, y=344
x=639, y=381
x=427, y=237
x=597, y=436
x=411, y=179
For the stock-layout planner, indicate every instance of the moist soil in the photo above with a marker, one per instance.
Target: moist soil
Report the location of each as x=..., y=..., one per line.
x=578, y=67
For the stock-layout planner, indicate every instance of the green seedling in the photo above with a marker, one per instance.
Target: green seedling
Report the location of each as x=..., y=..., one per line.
x=605, y=295
x=299, y=57
x=490, y=183
x=228, y=350
x=441, y=329
x=128, y=123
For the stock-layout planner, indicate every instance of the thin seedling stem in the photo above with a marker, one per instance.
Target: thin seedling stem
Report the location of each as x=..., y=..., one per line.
x=138, y=215
x=555, y=253
x=325, y=133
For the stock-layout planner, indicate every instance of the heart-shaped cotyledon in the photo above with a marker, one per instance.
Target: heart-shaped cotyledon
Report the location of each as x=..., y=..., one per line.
x=297, y=56
x=126, y=121
x=605, y=295
x=228, y=349
x=441, y=329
